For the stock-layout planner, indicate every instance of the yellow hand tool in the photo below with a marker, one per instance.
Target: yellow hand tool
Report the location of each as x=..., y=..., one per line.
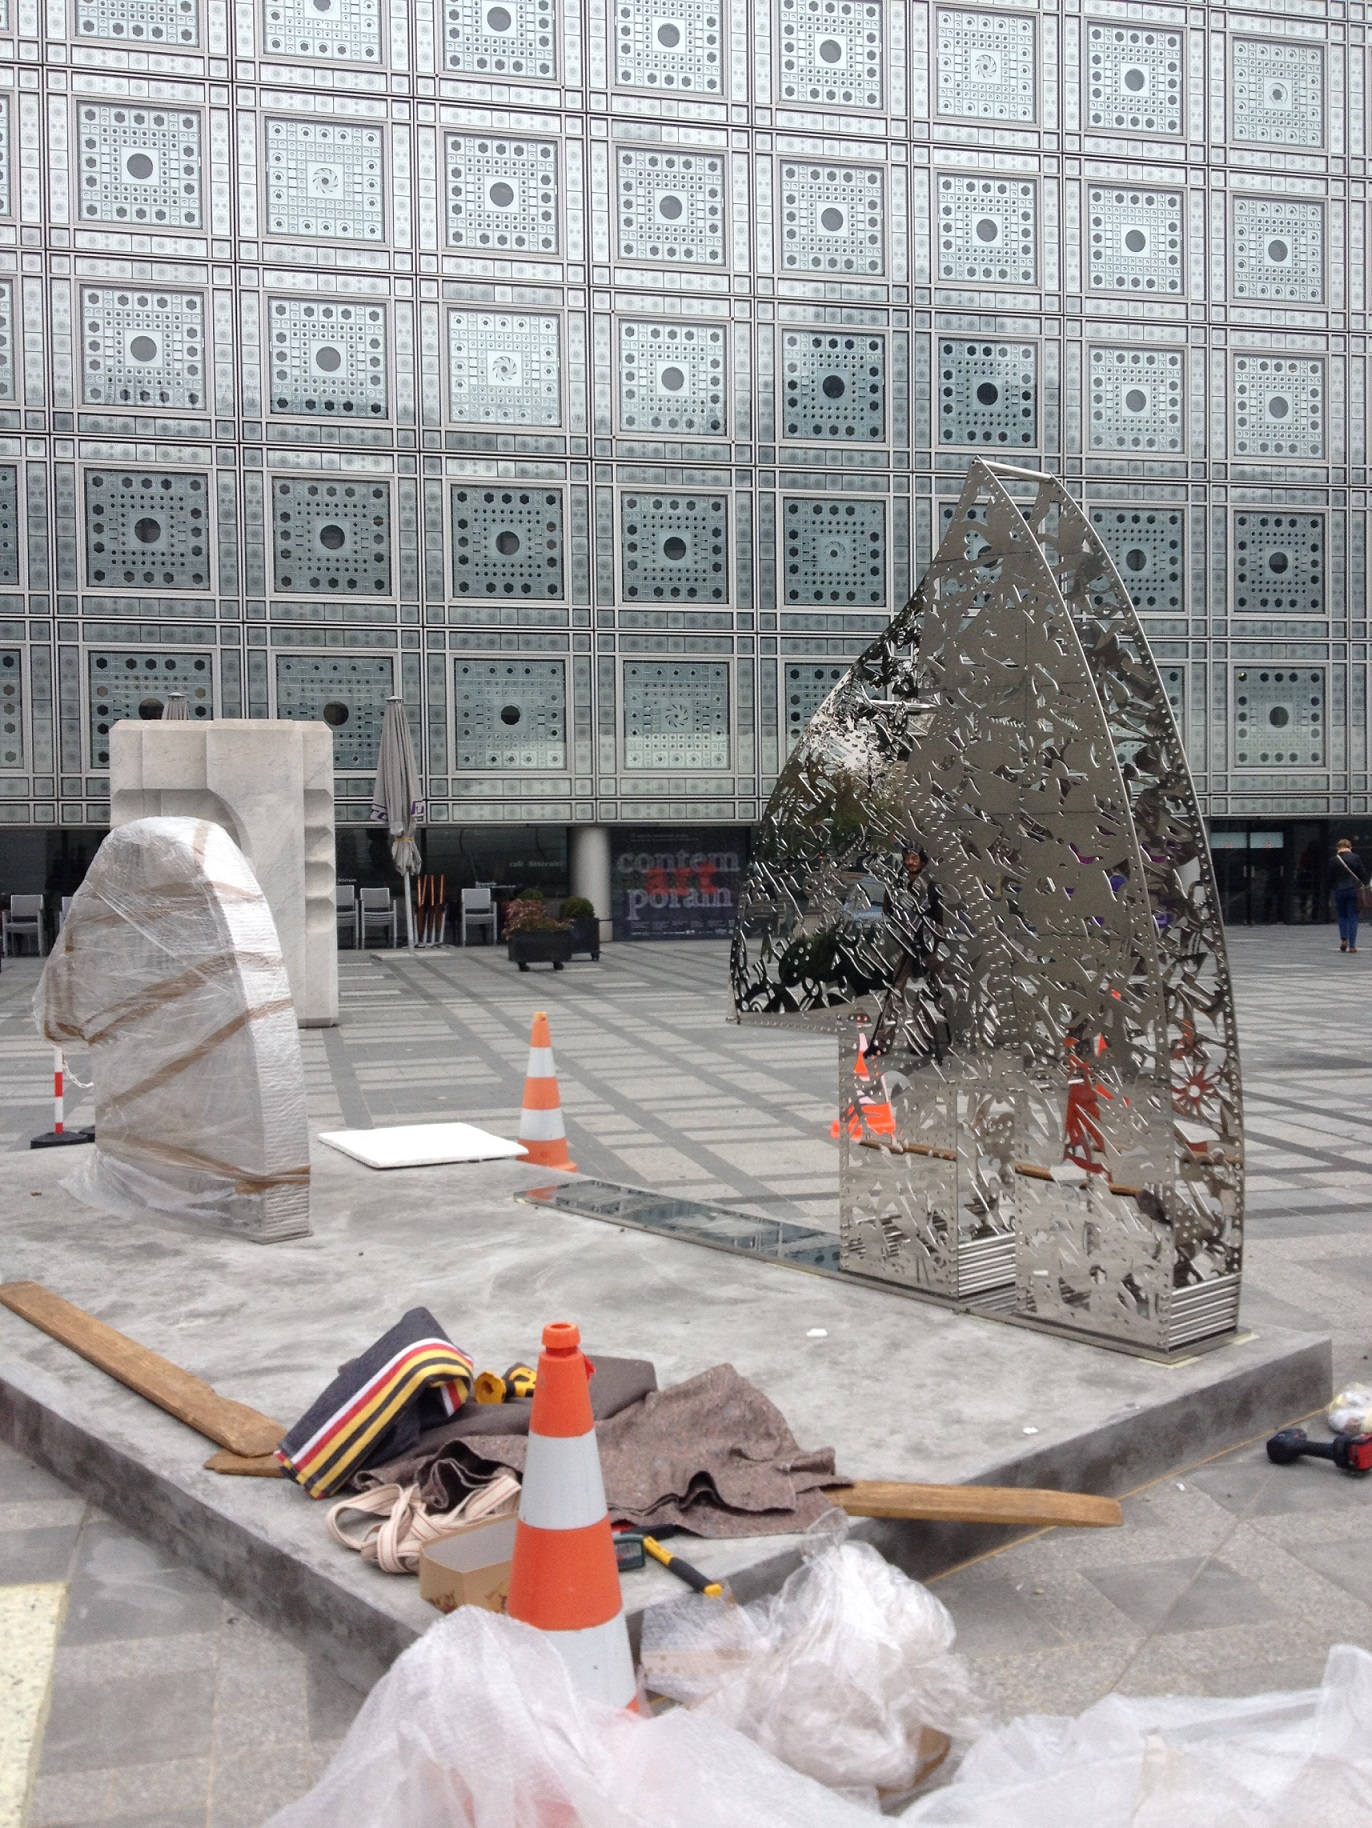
x=712, y=1589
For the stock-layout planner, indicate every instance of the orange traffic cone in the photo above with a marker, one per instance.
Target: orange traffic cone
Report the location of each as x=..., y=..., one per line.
x=564, y=1578
x=867, y=1113
x=541, y=1129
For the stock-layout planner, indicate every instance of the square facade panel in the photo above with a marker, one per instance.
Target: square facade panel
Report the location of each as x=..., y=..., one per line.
x=502, y=195
x=833, y=219
x=332, y=538
x=504, y=368
x=147, y=530
x=674, y=548
x=510, y=714
x=327, y=360
x=988, y=394
x=326, y=31
x=1277, y=91
x=835, y=551
x=136, y=687
x=833, y=385
x=806, y=685
x=1278, y=564
x=986, y=66
x=676, y=714
x=672, y=379
x=1148, y=548
x=1136, y=400
x=325, y=180
x=508, y=543
x=1279, y=406
x=159, y=22
x=1277, y=250
x=671, y=207
x=831, y=52
x=671, y=45
x=11, y=708
x=1279, y=717
x=1134, y=79
x=1135, y=242
x=138, y=167
x=143, y=348
x=987, y=230
x=501, y=38
x=9, y=525
x=348, y=693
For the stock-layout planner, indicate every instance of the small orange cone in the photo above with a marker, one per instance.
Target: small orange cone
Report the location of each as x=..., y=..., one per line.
x=865, y=1113
x=564, y=1578
x=541, y=1129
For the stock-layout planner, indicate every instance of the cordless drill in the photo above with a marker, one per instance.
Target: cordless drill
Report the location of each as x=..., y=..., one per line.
x=1351, y=1452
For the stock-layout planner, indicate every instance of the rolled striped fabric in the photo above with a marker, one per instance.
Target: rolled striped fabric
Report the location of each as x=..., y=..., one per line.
x=413, y=1378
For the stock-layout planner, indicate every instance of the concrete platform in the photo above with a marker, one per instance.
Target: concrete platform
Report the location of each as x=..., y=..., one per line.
x=902, y=1390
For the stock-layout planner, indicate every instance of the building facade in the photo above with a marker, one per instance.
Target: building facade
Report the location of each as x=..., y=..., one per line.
x=598, y=373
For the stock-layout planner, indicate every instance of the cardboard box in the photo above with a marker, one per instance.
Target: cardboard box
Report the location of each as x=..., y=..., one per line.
x=469, y=1568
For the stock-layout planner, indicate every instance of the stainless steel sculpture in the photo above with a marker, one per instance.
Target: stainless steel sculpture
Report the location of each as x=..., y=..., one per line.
x=985, y=865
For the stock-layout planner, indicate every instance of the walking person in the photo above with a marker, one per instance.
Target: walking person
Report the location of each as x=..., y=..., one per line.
x=1350, y=875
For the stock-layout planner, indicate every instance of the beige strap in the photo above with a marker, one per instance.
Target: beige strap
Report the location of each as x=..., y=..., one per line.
x=391, y=1524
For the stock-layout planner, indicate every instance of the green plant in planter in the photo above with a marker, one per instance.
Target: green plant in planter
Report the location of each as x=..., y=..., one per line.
x=576, y=907
x=530, y=895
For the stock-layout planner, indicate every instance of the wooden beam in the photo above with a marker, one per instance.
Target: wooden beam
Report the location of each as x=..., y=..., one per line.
x=1009, y=1504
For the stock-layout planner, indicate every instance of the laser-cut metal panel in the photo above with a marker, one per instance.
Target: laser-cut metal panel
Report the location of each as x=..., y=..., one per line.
x=674, y=548
x=1279, y=717
x=348, y=693
x=11, y=708
x=1136, y=400
x=1147, y=548
x=508, y=543
x=147, y=530
x=6, y=205
x=834, y=385
x=325, y=179
x=1279, y=407
x=510, y=713
x=1277, y=250
x=502, y=194
x=831, y=52
x=1134, y=79
x=676, y=715
x=1136, y=241
x=1277, y=91
x=332, y=537
x=808, y=684
x=1278, y=564
x=986, y=66
x=9, y=525
x=501, y=38
x=988, y=394
x=672, y=378
x=835, y=551
x=987, y=230
x=503, y=368
x=329, y=31
x=832, y=219
x=143, y=347
x=6, y=342
x=672, y=45
x=136, y=686
x=671, y=207
x=138, y=167
x=327, y=359
x=159, y=22
x=1174, y=686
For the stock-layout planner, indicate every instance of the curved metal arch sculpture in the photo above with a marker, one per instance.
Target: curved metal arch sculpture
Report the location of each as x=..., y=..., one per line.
x=984, y=865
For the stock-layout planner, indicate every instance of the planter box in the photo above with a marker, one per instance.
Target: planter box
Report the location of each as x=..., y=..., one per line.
x=585, y=936
x=527, y=949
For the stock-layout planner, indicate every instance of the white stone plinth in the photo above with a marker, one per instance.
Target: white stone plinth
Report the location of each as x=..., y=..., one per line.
x=269, y=784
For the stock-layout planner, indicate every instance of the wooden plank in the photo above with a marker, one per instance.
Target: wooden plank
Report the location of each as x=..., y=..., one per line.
x=246, y=1466
x=1010, y=1504
x=227, y=1424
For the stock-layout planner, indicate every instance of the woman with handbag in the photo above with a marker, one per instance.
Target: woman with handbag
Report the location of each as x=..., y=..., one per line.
x=1350, y=893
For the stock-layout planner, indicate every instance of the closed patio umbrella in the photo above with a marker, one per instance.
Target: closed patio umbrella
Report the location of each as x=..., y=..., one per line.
x=396, y=799
x=176, y=709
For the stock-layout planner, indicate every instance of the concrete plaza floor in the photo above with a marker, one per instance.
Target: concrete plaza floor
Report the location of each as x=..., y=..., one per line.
x=168, y=1707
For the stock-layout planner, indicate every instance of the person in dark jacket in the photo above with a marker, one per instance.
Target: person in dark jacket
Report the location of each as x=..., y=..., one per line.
x=1350, y=873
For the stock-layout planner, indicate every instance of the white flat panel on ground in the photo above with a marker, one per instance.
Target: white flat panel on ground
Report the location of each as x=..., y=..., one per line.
x=421, y=1145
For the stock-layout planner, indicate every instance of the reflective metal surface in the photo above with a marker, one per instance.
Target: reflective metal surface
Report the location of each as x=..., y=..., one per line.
x=985, y=866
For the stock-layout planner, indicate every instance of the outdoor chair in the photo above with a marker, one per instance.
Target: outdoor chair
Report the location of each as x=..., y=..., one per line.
x=24, y=919
x=478, y=912
x=376, y=912
x=345, y=910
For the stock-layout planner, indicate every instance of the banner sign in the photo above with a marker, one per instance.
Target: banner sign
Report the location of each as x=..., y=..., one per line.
x=677, y=884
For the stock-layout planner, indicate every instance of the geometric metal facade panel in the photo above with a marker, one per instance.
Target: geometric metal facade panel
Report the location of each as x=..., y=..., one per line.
x=159, y=22
x=135, y=686
x=676, y=715
x=327, y=359
x=1137, y=238
x=1146, y=548
x=832, y=219
x=1279, y=407
x=516, y=39
x=987, y=231
x=1136, y=400
x=7, y=371
x=142, y=347
x=988, y=394
x=1135, y=79
x=671, y=206
x=11, y=708
x=835, y=551
x=1277, y=250
x=139, y=167
x=502, y=194
x=1278, y=564
x=986, y=66
x=1279, y=717
x=674, y=46
x=325, y=180
x=503, y=368
x=807, y=687
x=9, y=525
x=831, y=52
x=1278, y=92
x=672, y=378
x=834, y=385
x=511, y=714
x=332, y=537
x=508, y=543
x=674, y=548
x=329, y=31
x=348, y=694
x=147, y=530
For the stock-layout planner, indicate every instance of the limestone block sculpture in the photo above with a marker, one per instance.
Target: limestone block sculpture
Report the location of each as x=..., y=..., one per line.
x=168, y=970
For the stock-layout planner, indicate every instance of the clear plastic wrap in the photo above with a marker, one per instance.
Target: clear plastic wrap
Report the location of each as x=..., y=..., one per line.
x=169, y=971
x=1351, y=1411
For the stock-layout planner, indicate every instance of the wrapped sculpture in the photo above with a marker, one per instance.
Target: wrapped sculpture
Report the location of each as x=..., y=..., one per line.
x=985, y=864
x=169, y=971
